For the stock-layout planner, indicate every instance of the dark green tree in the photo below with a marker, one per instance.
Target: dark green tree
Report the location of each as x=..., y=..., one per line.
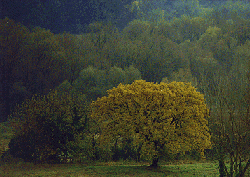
x=13, y=37
x=94, y=82
x=47, y=126
x=43, y=61
x=229, y=121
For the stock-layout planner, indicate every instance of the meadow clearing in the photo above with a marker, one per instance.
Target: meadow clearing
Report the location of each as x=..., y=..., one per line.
x=121, y=168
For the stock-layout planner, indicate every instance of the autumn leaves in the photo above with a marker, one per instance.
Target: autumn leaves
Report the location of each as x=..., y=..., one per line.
x=156, y=116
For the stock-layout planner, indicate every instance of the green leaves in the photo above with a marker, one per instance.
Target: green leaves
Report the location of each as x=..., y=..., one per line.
x=51, y=122
x=95, y=82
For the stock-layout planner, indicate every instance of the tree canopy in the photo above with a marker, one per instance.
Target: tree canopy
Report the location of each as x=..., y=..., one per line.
x=158, y=117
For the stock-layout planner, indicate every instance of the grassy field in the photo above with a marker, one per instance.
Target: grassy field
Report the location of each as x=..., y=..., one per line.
x=106, y=169
x=109, y=169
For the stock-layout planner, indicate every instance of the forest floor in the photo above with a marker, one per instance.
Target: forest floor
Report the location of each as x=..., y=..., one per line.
x=208, y=169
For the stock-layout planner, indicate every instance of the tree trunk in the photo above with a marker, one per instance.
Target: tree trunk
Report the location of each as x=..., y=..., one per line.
x=222, y=168
x=155, y=162
x=242, y=173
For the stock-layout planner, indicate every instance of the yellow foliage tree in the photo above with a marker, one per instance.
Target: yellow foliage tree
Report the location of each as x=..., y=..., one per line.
x=168, y=117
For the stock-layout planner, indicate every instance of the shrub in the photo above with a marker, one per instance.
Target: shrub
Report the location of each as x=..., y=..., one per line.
x=45, y=126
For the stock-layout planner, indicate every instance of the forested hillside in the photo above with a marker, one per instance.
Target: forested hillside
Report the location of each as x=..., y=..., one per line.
x=208, y=46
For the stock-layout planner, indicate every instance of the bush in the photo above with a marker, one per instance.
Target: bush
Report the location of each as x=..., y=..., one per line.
x=46, y=126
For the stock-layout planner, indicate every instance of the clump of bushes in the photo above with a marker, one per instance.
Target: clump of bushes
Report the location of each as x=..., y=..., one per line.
x=47, y=126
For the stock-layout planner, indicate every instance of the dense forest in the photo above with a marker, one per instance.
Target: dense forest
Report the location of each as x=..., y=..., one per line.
x=62, y=73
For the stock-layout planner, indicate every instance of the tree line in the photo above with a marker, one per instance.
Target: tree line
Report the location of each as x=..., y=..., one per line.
x=213, y=57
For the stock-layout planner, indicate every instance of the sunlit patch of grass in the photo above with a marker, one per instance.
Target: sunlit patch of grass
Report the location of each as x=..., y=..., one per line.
x=120, y=168
x=198, y=169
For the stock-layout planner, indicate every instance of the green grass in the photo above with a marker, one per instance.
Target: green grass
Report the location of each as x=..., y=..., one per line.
x=109, y=169
x=106, y=169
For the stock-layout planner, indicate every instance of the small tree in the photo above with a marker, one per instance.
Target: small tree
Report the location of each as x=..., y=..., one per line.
x=158, y=117
x=229, y=123
x=183, y=75
x=47, y=126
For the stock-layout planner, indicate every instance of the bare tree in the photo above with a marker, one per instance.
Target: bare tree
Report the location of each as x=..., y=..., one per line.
x=227, y=98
